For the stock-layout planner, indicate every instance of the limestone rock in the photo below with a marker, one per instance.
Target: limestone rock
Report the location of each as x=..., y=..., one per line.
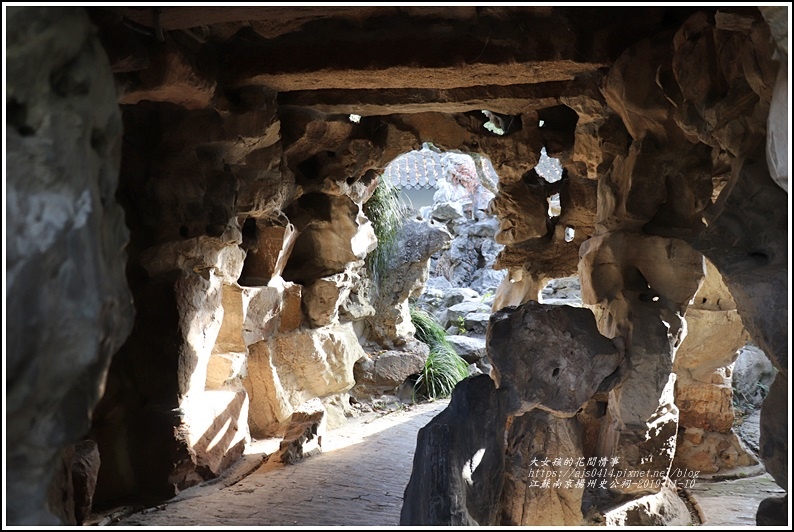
x=563, y=291
x=773, y=444
x=453, y=296
x=469, y=349
x=521, y=209
x=752, y=375
x=549, y=357
x=599, y=135
x=171, y=78
x=216, y=423
x=358, y=305
x=447, y=211
x=638, y=287
x=712, y=341
x=531, y=495
x=268, y=254
x=704, y=405
x=773, y=511
x=459, y=459
x=227, y=141
x=333, y=234
x=467, y=259
x=304, y=433
x=224, y=369
x=439, y=283
x=203, y=255
x=289, y=369
x=755, y=271
x=709, y=452
x=643, y=434
x=262, y=306
x=291, y=309
x=516, y=289
x=476, y=322
x=72, y=489
x=484, y=228
x=338, y=409
x=715, y=332
x=653, y=281
x=487, y=280
x=230, y=336
x=660, y=509
x=383, y=372
x=457, y=313
x=407, y=270
x=777, y=130
x=65, y=278
x=322, y=298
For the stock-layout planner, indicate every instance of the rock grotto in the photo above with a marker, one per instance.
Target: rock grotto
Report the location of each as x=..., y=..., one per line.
x=186, y=246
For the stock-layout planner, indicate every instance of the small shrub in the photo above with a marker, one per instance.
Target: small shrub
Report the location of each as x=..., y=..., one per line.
x=443, y=368
x=462, y=325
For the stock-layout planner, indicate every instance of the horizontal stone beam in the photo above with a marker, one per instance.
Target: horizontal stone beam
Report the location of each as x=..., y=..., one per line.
x=509, y=100
x=410, y=77
x=401, y=53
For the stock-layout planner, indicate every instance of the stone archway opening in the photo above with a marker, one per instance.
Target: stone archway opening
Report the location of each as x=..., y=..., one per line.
x=440, y=198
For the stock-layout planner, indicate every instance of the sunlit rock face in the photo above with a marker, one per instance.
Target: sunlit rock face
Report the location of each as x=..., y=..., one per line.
x=290, y=369
x=703, y=391
x=242, y=180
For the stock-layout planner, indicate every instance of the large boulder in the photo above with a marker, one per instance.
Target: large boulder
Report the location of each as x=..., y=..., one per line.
x=289, y=369
x=753, y=375
x=65, y=259
x=552, y=357
x=383, y=372
x=447, y=211
x=456, y=314
x=458, y=466
x=468, y=348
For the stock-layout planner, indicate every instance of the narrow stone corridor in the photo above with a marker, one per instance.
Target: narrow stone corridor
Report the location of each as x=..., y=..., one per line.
x=205, y=251
x=358, y=480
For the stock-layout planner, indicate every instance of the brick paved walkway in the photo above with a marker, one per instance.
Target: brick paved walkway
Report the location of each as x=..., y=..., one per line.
x=359, y=480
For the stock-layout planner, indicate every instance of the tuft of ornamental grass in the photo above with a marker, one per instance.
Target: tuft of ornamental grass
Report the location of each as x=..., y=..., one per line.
x=387, y=213
x=443, y=368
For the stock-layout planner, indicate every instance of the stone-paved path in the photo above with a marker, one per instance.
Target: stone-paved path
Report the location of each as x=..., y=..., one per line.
x=358, y=480
x=733, y=502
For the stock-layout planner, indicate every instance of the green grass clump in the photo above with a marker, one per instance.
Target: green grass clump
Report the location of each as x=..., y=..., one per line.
x=387, y=213
x=443, y=368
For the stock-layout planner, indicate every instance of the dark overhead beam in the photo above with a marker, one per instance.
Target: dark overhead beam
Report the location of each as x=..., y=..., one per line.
x=509, y=99
x=403, y=53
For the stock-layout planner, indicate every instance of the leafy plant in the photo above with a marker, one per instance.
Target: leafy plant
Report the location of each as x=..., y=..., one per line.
x=462, y=325
x=387, y=213
x=443, y=368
